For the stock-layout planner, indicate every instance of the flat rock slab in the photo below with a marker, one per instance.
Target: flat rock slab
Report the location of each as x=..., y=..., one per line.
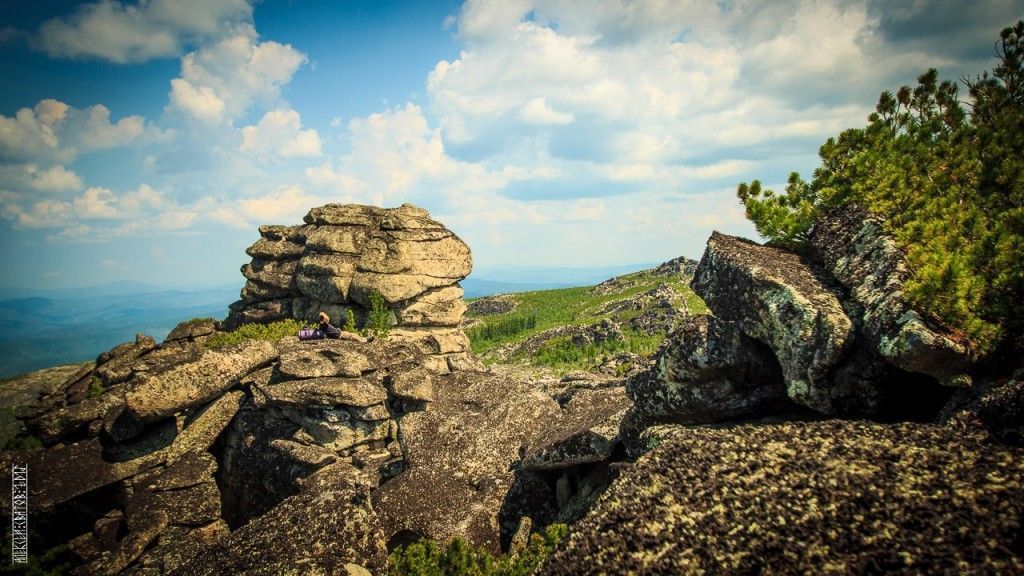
x=159, y=395
x=323, y=362
x=802, y=498
x=783, y=301
x=326, y=392
x=205, y=427
x=62, y=473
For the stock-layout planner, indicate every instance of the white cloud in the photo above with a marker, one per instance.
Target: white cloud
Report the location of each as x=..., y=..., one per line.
x=280, y=132
x=396, y=154
x=537, y=111
x=125, y=32
x=96, y=203
x=221, y=81
x=52, y=131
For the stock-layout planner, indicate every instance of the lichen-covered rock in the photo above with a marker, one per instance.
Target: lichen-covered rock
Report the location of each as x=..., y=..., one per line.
x=197, y=330
x=115, y=366
x=326, y=392
x=854, y=247
x=157, y=395
x=588, y=431
x=783, y=301
x=708, y=370
x=315, y=532
x=819, y=497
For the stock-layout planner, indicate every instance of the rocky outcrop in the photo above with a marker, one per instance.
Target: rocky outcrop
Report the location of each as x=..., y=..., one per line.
x=853, y=246
x=706, y=371
x=345, y=253
x=787, y=303
x=798, y=498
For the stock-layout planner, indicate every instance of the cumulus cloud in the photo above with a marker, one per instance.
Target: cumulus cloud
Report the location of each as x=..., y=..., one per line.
x=135, y=32
x=280, y=132
x=396, y=154
x=664, y=93
x=53, y=131
x=219, y=82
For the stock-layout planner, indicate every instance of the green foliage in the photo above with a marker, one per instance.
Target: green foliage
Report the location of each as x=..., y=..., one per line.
x=350, y=321
x=562, y=353
x=503, y=328
x=24, y=444
x=426, y=558
x=53, y=562
x=96, y=387
x=379, y=320
x=949, y=183
x=198, y=321
x=273, y=331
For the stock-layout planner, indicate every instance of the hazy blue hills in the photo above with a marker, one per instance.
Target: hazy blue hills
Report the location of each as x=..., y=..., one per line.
x=38, y=331
x=40, y=328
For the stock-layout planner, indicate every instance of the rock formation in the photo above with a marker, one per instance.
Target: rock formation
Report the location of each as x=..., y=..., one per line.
x=318, y=457
x=345, y=253
x=841, y=497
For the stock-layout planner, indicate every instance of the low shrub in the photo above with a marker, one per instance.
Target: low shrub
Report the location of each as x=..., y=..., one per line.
x=427, y=558
x=273, y=331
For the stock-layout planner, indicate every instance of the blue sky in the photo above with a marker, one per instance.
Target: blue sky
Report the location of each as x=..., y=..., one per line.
x=146, y=140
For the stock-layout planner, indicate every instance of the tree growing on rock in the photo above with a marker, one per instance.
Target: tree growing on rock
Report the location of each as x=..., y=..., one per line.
x=947, y=177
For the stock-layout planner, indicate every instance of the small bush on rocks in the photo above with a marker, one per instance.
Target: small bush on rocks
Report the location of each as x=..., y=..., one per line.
x=246, y=332
x=427, y=558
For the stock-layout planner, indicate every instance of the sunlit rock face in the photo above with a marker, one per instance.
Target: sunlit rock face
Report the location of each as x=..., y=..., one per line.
x=345, y=253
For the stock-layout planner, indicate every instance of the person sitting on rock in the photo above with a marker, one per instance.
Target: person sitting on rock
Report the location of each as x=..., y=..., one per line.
x=325, y=326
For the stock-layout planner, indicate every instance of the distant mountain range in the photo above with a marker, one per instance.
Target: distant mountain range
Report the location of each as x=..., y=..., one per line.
x=47, y=327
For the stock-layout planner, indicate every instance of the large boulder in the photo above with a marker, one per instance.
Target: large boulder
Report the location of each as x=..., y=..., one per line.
x=346, y=253
x=852, y=244
x=707, y=370
x=329, y=529
x=799, y=498
x=789, y=304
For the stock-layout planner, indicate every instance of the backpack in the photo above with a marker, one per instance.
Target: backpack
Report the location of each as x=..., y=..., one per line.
x=308, y=333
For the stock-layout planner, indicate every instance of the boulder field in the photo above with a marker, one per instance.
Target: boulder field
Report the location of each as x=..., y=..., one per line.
x=812, y=422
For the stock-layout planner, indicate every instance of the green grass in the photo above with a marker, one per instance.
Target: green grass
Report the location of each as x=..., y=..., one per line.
x=273, y=331
x=545, y=309
x=427, y=558
x=560, y=353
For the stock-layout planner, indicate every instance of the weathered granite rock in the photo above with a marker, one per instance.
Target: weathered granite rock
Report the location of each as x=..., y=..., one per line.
x=326, y=392
x=706, y=371
x=346, y=252
x=204, y=429
x=797, y=498
x=128, y=549
x=587, y=433
x=115, y=366
x=192, y=331
x=75, y=469
x=322, y=362
x=411, y=383
x=69, y=422
x=438, y=307
x=157, y=395
x=855, y=248
x=785, y=302
x=315, y=532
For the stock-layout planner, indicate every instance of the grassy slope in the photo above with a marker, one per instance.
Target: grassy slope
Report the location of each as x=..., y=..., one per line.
x=545, y=309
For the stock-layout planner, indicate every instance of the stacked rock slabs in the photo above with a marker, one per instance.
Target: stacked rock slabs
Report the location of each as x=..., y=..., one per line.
x=345, y=253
